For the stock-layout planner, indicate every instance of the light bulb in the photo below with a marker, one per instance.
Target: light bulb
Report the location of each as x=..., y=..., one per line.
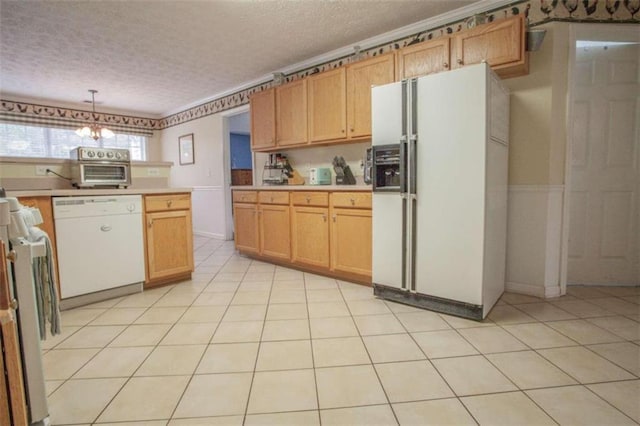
x=106, y=133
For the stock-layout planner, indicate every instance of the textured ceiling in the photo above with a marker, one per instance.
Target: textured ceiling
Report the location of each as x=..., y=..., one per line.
x=152, y=57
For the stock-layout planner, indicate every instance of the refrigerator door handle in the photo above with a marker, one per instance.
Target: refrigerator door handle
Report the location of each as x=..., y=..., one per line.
x=404, y=110
x=413, y=167
x=403, y=167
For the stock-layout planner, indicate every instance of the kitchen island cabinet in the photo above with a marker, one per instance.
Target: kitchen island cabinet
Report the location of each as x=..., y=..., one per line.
x=169, y=238
x=325, y=232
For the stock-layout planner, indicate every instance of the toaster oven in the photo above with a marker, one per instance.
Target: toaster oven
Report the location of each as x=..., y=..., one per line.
x=100, y=167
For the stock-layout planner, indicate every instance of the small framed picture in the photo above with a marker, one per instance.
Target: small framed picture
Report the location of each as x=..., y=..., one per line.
x=185, y=145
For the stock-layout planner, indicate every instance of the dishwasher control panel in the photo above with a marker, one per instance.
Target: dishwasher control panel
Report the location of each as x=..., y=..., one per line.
x=103, y=205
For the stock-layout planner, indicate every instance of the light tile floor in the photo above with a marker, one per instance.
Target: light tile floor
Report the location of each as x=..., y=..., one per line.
x=245, y=342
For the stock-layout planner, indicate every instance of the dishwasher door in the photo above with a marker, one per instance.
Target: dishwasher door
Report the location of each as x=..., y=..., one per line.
x=100, y=252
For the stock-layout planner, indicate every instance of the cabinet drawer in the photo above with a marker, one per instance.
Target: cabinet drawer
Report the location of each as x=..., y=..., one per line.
x=310, y=198
x=273, y=197
x=154, y=203
x=357, y=200
x=245, y=196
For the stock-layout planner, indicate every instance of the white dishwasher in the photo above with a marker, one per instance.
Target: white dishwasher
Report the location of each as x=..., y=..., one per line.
x=100, y=246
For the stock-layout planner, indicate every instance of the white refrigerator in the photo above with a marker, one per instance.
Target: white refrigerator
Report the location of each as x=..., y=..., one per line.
x=440, y=158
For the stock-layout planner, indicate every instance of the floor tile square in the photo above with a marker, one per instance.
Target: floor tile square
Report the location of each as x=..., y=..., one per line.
x=511, y=408
x=348, y=387
x=624, y=354
x=277, y=391
x=443, y=344
x=437, y=412
x=52, y=385
x=293, y=418
x=472, y=375
x=518, y=299
x=459, y=322
x=245, y=313
x=392, y=347
x=118, y=316
x=583, y=332
x=92, y=337
x=545, y=312
x=240, y=331
x=369, y=325
x=332, y=327
x=286, y=311
x=492, y=340
x=286, y=330
x=114, y=362
x=80, y=316
x=328, y=295
x=507, y=314
x=623, y=327
x=145, y=398
x=584, y=366
x=221, y=287
x=422, y=321
x=54, y=341
x=250, y=298
x=176, y=300
x=339, y=351
x=622, y=395
x=202, y=314
x=616, y=305
x=141, y=335
x=190, y=334
x=142, y=300
x=289, y=355
x=582, y=308
x=288, y=296
x=213, y=299
x=172, y=361
x=584, y=292
x=576, y=405
x=328, y=309
x=162, y=315
x=257, y=283
x=528, y=370
x=215, y=395
x=359, y=416
x=368, y=307
x=81, y=401
x=411, y=381
x=539, y=336
x=229, y=358
x=61, y=364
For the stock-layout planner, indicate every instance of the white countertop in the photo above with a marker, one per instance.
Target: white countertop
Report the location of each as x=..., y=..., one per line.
x=86, y=192
x=331, y=188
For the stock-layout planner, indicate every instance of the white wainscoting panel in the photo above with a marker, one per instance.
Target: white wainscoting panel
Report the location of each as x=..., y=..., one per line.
x=534, y=231
x=208, y=208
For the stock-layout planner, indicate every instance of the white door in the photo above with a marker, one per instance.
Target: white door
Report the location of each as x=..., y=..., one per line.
x=605, y=181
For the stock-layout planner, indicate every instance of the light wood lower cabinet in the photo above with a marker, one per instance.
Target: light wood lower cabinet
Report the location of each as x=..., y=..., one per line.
x=169, y=238
x=312, y=230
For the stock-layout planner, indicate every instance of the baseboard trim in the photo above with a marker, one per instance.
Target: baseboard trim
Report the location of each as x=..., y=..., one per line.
x=209, y=235
x=532, y=290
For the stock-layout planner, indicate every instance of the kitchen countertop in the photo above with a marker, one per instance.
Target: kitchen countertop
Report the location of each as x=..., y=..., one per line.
x=331, y=188
x=90, y=192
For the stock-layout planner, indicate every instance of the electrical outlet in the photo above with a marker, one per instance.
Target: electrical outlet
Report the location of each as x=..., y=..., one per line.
x=41, y=170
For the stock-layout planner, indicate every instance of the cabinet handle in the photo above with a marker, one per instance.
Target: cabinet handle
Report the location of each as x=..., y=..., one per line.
x=150, y=223
x=272, y=199
x=308, y=200
x=169, y=202
x=342, y=130
x=12, y=256
x=334, y=218
x=445, y=65
x=13, y=304
x=324, y=217
x=353, y=201
x=459, y=61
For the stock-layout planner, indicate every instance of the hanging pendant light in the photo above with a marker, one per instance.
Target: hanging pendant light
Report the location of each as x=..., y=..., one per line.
x=94, y=130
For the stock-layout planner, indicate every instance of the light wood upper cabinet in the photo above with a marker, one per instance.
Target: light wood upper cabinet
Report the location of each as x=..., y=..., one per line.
x=424, y=58
x=263, y=120
x=327, y=106
x=169, y=238
x=291, y=113
x=500, y=43
x=360, y=77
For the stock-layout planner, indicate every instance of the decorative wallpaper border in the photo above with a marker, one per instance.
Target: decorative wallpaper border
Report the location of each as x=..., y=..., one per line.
x=538, y=12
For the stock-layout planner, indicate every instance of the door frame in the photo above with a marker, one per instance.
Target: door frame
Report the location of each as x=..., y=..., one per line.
x=596, y=32
x=226, y=164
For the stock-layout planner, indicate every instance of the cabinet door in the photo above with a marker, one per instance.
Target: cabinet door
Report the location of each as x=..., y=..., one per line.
x=291, y=113
x=310, y=236
x=169, y=243
x=501, y=44
x=360, y=77
x=245, y=219
x=351, y=241
x=274, y=231
x=327, y=106
x=263, y=120
x=424, y=58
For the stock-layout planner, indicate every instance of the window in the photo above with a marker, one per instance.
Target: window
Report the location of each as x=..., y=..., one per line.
x=20, y=140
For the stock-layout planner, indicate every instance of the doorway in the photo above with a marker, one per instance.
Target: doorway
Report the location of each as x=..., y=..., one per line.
x=603, y=157
x=241, y=159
